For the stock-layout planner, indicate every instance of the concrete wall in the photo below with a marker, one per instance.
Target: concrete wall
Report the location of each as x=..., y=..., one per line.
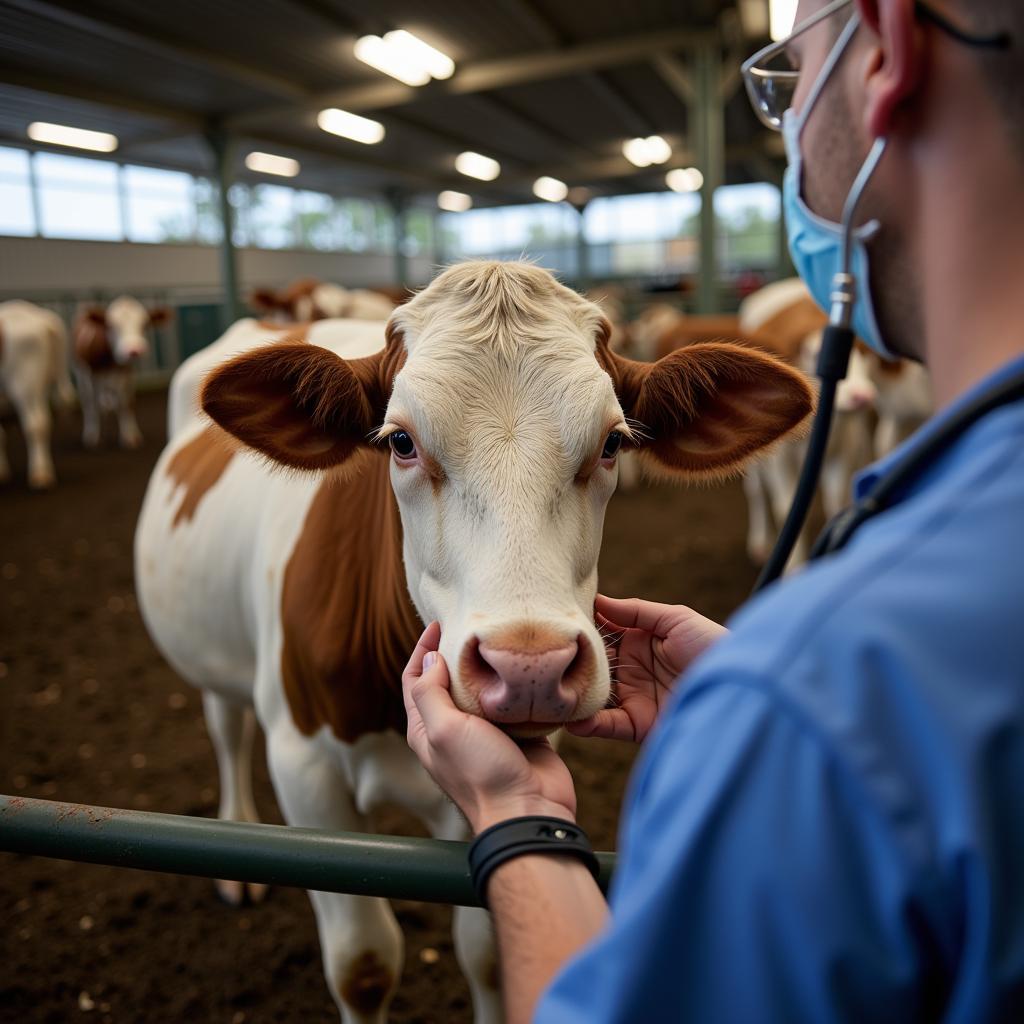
x=36, y=267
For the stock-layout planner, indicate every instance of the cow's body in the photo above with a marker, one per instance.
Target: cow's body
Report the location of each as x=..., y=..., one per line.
x=108, y=342
x=33, y=362
x=301, y=596
x=904, y=401
x=222, y=551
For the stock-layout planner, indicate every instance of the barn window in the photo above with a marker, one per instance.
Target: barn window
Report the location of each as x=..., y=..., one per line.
x=159, y=205
x=17, y=215
x=78, y=198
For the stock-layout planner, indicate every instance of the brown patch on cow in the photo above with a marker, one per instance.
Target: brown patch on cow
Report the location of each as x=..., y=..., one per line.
x=92, y=340
x=348, y=622
x=197, y=467
x=784, y=334
x=528, y=638
x=367, y=983
x=690, y=330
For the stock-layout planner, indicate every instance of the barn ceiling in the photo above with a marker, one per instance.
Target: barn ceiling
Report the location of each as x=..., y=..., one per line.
x=547, y=87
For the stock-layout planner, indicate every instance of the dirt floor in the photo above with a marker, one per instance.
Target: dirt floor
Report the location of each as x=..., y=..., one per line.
x=89, y=712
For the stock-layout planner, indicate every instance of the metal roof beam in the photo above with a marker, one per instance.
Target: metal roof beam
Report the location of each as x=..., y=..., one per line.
x=129, y=33
x=486, y=75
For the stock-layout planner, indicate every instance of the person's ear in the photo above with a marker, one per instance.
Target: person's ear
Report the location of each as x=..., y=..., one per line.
x=704, y=411
x=894, y=63
x=300, y=405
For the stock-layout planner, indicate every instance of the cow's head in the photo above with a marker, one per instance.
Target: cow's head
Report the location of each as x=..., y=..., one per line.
x=504, y=411
x=301, y=302
x=117, y=335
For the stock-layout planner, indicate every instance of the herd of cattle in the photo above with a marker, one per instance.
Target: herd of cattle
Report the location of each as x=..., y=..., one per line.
x=450, y=459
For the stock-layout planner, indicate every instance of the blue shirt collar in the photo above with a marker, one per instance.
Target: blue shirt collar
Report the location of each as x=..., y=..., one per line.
x=865, y=480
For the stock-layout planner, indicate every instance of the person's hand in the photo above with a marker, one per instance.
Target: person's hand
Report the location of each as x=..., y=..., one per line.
x=490, y=776
x=651, y=644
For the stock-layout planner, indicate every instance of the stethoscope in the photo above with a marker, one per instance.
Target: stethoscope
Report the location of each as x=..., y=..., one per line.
x=833, y=362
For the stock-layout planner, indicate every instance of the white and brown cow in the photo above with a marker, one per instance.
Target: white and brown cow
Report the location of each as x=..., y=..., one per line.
x=33, y=363
x=784, y=318
x=310, y=299
x=457, y=468
x=108, y=346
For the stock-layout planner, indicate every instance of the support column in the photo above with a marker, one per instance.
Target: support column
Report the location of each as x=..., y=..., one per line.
x=583, y=278
x=399, y=205
x=709, y=139
x=222, y=147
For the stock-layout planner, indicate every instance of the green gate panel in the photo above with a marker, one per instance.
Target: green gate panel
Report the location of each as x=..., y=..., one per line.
x=198, y=326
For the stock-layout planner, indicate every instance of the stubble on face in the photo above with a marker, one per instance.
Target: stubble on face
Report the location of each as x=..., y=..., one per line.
x=835, y=146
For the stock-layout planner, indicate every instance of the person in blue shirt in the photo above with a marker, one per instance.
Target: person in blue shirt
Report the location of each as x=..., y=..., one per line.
x=826, y=822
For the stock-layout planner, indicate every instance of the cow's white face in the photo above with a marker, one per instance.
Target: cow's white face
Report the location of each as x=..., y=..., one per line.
x=127, y=320
x=503, y=458
x=504, y=407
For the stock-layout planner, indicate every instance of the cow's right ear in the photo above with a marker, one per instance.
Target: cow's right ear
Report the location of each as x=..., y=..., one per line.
x=93, y=315
x=300, y=405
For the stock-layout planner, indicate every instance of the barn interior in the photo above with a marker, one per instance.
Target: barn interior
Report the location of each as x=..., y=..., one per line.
x=235, y=146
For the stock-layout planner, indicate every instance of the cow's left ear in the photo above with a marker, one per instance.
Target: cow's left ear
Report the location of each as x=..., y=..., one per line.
x=159, y=316
x=704, y=411
x=301, y=405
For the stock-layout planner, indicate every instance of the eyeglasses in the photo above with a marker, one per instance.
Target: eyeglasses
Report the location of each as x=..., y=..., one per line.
x=771, y=79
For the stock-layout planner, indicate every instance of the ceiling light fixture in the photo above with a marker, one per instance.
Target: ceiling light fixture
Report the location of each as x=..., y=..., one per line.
x=685, y=179
x=404, y=56
x=781, y=16
x=454, y=202
x=350, y=126
x=644, y=152
x=550, y=189
x=267, y=163
x=79, y=138
x=475, y=165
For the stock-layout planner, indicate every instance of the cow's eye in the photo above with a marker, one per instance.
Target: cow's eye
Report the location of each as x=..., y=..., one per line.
x=612, y=445
x=402, y=445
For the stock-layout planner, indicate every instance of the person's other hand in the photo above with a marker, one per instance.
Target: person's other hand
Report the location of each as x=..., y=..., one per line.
x=652, y=644
x=490, y=776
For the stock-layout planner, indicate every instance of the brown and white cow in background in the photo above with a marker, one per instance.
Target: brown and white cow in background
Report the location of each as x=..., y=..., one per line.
x=785, y=317
x=903, y=400
x=310, y=299
x=108, y=346
x=33, y=364
x=456, y=468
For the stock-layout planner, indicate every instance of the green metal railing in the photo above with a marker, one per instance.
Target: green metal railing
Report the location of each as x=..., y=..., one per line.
x=431, y=870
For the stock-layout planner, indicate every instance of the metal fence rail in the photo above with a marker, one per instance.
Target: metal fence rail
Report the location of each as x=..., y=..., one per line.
x=394, y=867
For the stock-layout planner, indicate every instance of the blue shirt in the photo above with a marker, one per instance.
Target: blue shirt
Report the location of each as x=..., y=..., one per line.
x=828, y=822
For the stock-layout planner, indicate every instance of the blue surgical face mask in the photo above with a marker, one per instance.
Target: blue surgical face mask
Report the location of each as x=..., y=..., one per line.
x=816, y=244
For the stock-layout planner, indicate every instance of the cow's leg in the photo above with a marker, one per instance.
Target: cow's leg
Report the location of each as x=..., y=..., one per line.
x=360, y=940
x=887, y=435
x=127, y=425
x=231, y=727
x=780, y=476
x=5, y=466
x=758, y=525
x=473, y=933
x=34, y=414
x=836, y=475
x=87, y=396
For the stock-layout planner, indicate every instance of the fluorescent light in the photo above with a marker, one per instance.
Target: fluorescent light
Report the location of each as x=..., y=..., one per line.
x=474, y=165
x=375, y=51
x=438, y=64
x=350, y=126
x=404, y=56
x=454, y=202
x=62, y=135
x=684, y=179
x=644, y=152
x=781, y=15
x=551, y=189
x=267, y=163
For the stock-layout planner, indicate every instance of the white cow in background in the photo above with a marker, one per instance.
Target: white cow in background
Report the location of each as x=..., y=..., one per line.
x=456, y=467
x=771, y=483
x=108, y=345
x=33, y=362
x=904, y=400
